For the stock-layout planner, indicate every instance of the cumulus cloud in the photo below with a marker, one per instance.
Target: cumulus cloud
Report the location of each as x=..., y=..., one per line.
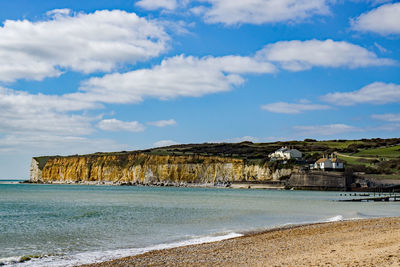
x=188, y=76
x=115, y=125
x=163, y=143
x=21, y=112
x=374, y=93
x=50, y=144
x=163, y=123
x=302, y=55
x=330, y=129
x=157, y=4
x=390, y=117
x=292, y=108
x=107, y=40
x=174, y=77
x=262, y=11
x=383, y=20
x=39, y=124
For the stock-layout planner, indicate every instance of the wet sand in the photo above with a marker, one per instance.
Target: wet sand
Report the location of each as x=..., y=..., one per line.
x=372, y=242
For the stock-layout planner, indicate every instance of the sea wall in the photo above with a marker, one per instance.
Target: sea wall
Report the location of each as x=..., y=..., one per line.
x=149, y=169
x=319, y=180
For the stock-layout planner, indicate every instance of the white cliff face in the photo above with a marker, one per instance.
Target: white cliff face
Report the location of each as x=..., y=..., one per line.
x=280, y=173
x=35, y=172
x=151, y=169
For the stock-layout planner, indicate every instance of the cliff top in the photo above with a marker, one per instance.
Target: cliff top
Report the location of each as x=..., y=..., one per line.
x=382, y=155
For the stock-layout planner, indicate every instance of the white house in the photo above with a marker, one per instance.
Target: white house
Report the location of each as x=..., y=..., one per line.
x=328, y=163
x=286, y=153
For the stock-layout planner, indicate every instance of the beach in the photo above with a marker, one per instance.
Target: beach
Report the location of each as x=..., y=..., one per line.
x=367, y=242
x=71, y=225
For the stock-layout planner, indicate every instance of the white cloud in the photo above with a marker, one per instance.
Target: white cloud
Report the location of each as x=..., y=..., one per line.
x=21, y=112
x=390, y=117
x=50, y=144
x=188, y=76
x=292, y=108
x=174, y=77
x=374, y=93
x=163, y=123
x=381, y=48
x=100, y=41
x=330, y=129
x=163, y=143
x=263, y=11
x=59, y=12
x=157, y=4
x=378, y=2
x=383, y=20
x=115, y=125
x=198, y=10
x=38, y=124
x=387, y=127
x=302, y=55
x=373, y=2
x=240, y=65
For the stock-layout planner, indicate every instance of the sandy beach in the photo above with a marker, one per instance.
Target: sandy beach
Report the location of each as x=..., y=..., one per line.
x=371, y=242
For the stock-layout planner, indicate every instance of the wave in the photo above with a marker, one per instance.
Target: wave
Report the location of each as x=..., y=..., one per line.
x=336, y=218
x=100, y=256
x=363, y=215
x=9, y=260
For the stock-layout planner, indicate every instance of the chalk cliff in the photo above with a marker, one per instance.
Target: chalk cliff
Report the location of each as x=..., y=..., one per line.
x=142, y=168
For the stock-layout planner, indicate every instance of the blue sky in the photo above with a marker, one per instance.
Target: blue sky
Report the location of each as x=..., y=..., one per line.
x=87, y=76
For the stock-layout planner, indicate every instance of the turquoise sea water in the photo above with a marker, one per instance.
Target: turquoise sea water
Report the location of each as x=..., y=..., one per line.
x=74, y=224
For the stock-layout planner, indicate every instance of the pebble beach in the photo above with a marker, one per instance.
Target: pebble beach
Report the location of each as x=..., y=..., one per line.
x=368, y=242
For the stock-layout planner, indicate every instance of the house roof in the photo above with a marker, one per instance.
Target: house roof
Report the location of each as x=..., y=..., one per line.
x=285, y=149
x=321, y=160
x=333, y=160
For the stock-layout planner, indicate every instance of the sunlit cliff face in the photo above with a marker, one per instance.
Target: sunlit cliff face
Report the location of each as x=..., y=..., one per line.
x=150, y=169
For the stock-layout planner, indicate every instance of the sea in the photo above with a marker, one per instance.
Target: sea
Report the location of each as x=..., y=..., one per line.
x=67, y=225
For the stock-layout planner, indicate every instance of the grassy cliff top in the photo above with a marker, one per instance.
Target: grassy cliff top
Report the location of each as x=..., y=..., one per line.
x=369, y=153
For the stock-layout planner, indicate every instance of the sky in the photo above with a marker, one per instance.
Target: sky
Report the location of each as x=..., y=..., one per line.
x=84, y=76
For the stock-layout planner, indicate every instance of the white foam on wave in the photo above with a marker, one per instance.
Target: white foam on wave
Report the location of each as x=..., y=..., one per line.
x=9, y=260
x=335, y=219
x=99, y=256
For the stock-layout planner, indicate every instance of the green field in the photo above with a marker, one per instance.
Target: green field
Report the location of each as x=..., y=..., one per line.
x=385, y=152
x=352, y=161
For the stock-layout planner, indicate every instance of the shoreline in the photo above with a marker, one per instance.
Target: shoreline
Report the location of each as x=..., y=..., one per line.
x=365, y=242
x=272, y=185
x=108, y=183
x=92, y=258
x=266, y=186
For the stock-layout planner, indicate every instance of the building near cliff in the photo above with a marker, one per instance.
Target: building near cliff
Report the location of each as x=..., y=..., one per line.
x=328, y=163
x=285, y=153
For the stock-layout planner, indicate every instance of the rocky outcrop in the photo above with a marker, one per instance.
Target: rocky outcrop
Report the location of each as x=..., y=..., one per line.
x=35, y=173
x=141, y=168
